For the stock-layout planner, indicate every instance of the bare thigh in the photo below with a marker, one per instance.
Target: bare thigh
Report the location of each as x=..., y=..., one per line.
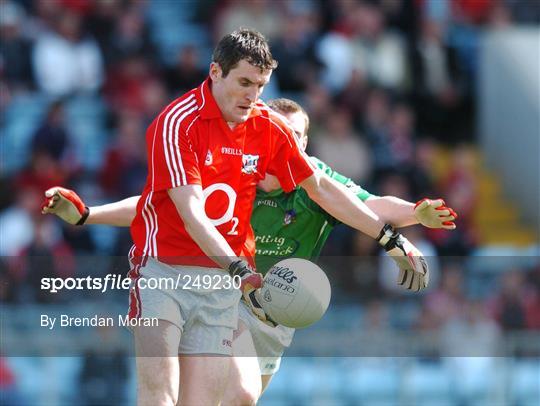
x=203, y=379
x=244, y=385
x=157, y=366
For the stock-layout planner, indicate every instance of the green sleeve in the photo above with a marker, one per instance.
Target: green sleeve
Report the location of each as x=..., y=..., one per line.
x=357, y=190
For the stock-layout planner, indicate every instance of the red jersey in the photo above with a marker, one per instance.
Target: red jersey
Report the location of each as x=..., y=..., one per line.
x=189, y=143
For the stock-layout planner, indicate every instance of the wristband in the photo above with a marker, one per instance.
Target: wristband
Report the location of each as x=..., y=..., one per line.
x=239, y=267
x=388, y=237
x=84, y=216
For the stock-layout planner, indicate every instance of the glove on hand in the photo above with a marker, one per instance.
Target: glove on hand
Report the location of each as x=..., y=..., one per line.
x=251, y=282
x=66, y=204
x=413, y=269
x=435, y=214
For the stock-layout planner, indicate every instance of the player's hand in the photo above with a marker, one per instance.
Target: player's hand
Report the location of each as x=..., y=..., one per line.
x=435, y=214
x=66, y=204
x=413, y=269
x=250, y=286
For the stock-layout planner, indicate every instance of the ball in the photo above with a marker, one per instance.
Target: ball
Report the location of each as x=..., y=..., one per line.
x=295, y=293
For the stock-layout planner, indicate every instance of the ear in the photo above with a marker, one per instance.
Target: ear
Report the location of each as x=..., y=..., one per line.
x=215, y=71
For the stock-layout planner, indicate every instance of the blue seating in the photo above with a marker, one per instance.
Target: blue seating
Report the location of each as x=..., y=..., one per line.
x=370, y=381
x=171, y=28
x=427, y=384
x=21, y=119
x=525, y=382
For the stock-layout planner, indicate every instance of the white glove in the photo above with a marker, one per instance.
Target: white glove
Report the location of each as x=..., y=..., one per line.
x=66, y=204
x=250, y=287
x=413, y=269
x=435, y=214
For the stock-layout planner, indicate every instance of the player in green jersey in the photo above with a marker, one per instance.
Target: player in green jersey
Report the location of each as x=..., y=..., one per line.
x=285, y=225
x=293, y=225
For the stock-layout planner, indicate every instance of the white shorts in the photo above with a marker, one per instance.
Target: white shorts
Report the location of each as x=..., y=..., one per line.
x=205, y=317
x=270, y=342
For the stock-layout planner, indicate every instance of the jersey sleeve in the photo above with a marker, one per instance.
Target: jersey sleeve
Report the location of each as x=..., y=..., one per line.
x=172, y=160
x=289, y=164
x=361, y=193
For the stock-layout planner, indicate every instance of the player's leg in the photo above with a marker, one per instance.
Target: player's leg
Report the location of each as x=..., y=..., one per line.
x=205, y=360
x=157, y=372
x=156, y=347
x=203, y=379
x=244, y=385
x=206, y=345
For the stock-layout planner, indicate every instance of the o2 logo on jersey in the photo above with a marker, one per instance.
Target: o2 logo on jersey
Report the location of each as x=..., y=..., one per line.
x=249, y=163
x=228, y=215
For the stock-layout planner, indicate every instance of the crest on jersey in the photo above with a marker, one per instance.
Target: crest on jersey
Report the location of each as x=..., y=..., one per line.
x=290, y=217
x=208, y=161
x=249, y=163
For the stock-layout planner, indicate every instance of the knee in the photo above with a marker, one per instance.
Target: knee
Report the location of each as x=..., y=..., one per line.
x=157, y=398
x=150, y=394
x=245, y=396
x=156, y=389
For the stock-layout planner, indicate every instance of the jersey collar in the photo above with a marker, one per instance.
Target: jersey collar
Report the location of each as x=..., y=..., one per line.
x=208, y=106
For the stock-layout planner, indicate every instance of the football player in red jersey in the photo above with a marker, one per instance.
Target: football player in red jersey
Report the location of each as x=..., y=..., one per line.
x=207, y=151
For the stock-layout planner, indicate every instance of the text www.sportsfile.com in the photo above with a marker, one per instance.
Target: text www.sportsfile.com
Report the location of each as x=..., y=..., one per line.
x=117, y=282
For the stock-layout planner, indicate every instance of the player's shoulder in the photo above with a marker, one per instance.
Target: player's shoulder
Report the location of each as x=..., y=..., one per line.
x=277, y=121
x=182, y=109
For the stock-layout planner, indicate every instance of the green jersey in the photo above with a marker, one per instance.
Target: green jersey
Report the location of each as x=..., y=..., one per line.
x=291, y=224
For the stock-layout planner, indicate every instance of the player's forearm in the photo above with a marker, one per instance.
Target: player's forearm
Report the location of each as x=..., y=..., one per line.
x=338, y=201
x=393, y=210
x=119, y=213
x=204, y=233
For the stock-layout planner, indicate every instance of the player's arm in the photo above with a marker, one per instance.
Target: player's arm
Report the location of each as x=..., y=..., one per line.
x=189, y=202
x=337, y=200
x=396, y=211
x=67, y=205
x=401, y=213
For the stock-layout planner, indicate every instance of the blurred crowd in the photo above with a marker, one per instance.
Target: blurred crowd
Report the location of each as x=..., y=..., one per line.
x=389, y=86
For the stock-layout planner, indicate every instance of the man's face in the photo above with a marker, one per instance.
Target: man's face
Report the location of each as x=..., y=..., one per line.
x=237, y=93
x=297, y=122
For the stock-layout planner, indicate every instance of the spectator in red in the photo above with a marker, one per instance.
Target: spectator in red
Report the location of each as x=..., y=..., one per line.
x=126, y=82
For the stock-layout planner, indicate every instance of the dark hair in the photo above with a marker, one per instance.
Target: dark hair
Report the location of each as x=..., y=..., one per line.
x=243, y=44
x=287, y=106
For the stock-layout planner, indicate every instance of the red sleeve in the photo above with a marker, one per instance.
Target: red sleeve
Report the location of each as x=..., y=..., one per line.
x=289, y=164
x=172, y=161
